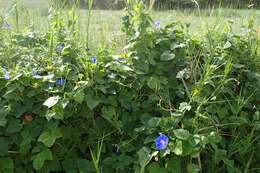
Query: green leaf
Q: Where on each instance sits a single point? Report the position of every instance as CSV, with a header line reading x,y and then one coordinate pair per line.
x,y
92,101
227,45
3,114
85,166
70,165
14,126
194,140
154,83
18,109
6,165
177,46
182,134
3,122
49,115
109,113
167,56
52,101
49,137
25,146
154,122
184,107
192,168
174,165
183,74
124,161
186,148
40,158
155,168
178,148
4,146
145,156
79,97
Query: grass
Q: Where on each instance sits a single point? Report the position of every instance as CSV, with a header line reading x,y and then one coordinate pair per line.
x,y
105,24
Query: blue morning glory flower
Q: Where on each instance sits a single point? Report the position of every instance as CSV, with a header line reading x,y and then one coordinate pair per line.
x,y
6,73
7,76
7,24
122,60
116,149
60,47
36,74
157,24
94,59
161,142
60,81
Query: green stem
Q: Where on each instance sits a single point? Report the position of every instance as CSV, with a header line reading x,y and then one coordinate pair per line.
x,y
16,18
90,3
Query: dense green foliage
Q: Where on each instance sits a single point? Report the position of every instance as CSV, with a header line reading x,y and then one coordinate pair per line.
x,y
170,4
201,92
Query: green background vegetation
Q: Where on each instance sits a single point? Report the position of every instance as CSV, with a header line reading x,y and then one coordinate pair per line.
x,y
107,23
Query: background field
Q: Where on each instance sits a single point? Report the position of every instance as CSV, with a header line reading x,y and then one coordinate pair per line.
x,y
105,24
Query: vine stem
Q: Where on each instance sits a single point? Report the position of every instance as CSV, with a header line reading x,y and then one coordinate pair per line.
x,y
249,162
199,161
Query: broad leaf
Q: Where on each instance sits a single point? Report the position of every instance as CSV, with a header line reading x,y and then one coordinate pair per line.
x,y
6,165
174,165
49,137
167,56
40,158
182,134
79,97
85,166
184,107
52,101
155,168
145,157
178,148
154,83
92,101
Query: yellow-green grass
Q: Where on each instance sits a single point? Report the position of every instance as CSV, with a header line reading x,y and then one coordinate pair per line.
x,y
105,24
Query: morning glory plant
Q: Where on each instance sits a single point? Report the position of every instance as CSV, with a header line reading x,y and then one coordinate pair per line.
x,y
161,142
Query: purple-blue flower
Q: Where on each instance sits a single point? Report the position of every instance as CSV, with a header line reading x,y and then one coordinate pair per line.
x,y
94,59
161,142
116,149
7,76
6,73
7,24
60,47
157,24
60,81
122,60
36,74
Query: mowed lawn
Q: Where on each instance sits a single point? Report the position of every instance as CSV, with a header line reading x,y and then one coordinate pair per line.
x,y
105,25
